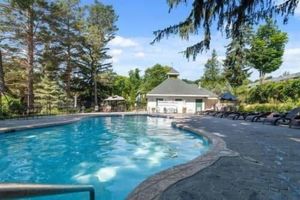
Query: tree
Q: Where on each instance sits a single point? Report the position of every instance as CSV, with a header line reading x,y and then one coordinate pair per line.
x,y
122,87
49,94
227,15
23,21
236,67
212,78
135,84
154,76
99,28
64,34
267,48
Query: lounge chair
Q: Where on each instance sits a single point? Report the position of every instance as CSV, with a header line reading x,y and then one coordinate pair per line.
x,y
289,118
244,115
224,114
285,119
273,118
256,117
234,115
295,122
250,116
262,116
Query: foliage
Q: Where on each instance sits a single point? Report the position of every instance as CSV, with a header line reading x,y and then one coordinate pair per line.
x,y
236,67
213,78
267,48
271,92
63,39
23,24
129,87
49,94
99,28
153,77
269,107
10,106
228,16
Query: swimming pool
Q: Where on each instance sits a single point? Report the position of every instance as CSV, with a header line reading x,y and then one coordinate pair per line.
x,y
114,154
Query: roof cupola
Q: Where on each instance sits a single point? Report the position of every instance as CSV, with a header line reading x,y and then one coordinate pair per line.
x,y
173,73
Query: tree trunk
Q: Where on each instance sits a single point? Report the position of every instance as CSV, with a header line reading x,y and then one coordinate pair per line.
x,y
95,91
30,56
68,67
2,81
261,77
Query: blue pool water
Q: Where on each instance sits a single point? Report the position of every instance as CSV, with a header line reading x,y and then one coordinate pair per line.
x,y
114,154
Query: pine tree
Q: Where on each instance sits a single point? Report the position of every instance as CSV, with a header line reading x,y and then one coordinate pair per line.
x,y
212,78
64,20
49,94
226,16
98,30
23,21
236,67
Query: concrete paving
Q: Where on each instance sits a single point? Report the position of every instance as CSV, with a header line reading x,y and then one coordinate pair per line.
x,y
268,165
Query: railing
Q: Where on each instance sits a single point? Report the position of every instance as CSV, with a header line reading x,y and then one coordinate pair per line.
x,y
11,190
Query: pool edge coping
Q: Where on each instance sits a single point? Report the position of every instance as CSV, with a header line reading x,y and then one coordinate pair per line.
x,y
153,187
76,118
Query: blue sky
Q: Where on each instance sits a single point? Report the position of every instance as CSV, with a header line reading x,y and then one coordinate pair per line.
x,y
139,18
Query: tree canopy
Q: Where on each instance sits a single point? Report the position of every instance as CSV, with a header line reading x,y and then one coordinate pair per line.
x,y
267,48
236,65
227,16
213,78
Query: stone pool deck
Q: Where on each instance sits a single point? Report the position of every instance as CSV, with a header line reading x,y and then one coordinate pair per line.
x,y
267,167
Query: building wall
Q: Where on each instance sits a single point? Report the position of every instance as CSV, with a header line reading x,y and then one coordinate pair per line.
x,y
211,104
187,105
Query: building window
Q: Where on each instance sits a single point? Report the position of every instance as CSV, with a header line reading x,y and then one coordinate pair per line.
x,y
178,99
158,99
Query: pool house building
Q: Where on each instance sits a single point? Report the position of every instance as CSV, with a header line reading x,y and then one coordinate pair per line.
x,y
176,96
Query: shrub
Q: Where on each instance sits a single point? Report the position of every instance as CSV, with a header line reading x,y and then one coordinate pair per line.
x,y
278,92
268,107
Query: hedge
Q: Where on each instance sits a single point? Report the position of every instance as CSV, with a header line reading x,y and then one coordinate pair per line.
x,y
269,107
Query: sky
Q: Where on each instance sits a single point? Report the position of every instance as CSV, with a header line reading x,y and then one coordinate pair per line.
x,y
138,19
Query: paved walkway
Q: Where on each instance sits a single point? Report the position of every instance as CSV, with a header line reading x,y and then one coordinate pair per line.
x,y
268,166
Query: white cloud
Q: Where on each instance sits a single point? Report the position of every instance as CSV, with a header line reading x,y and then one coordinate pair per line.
x,y
297,11
119,41
139,54
166,52
116,52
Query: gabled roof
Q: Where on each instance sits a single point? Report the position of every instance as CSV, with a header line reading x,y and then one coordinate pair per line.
x,y
177,87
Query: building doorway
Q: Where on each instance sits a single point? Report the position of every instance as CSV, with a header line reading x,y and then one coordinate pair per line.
x,y
199,105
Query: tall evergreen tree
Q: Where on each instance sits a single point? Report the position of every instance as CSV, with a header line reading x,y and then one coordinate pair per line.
x,y
236,67
65,20
49,94
212,78
23,21
267,48
99,28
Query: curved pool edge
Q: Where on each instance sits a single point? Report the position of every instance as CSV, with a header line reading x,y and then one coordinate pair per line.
x,y
39,125
153,187
58,121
